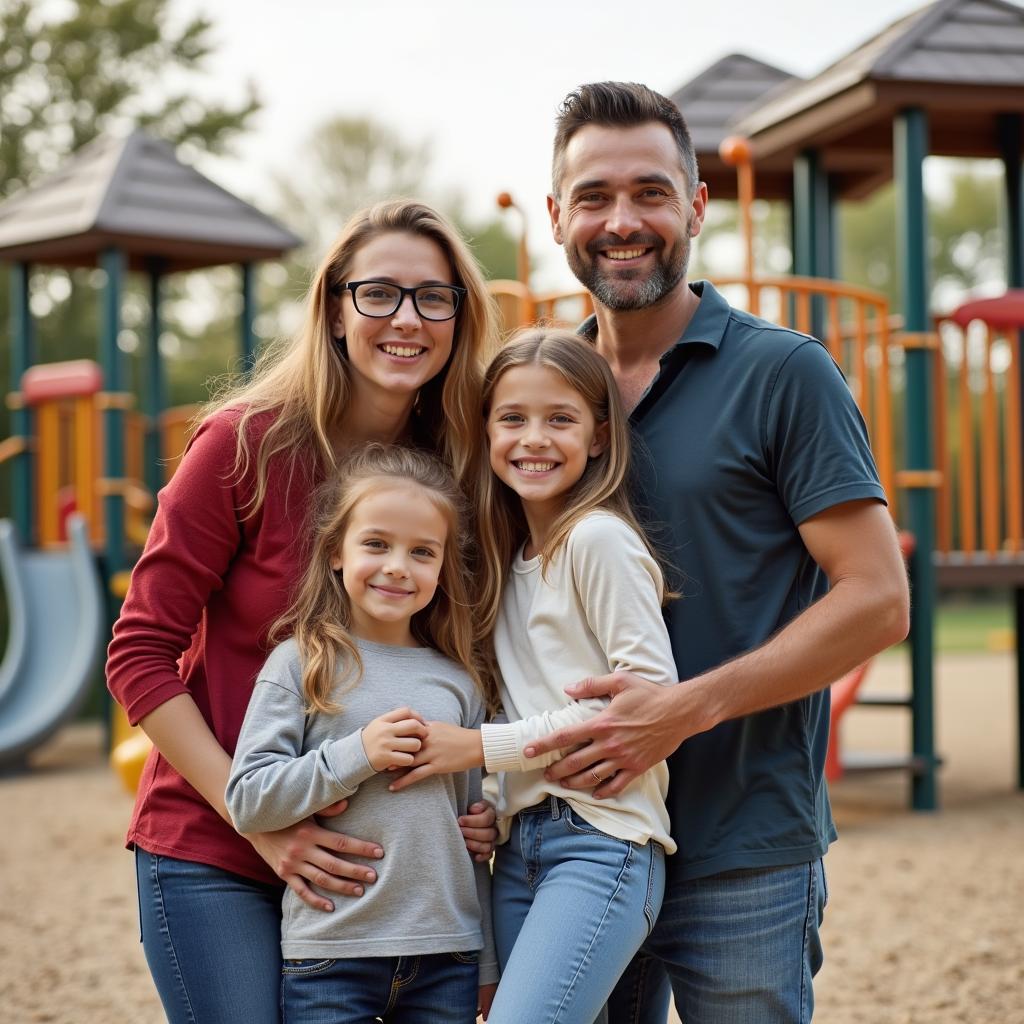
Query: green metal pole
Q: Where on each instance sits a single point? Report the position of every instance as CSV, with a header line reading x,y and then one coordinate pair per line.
x,y
22,357
248,315
1011,141
812,222
805,230
910,147
113,264
154,392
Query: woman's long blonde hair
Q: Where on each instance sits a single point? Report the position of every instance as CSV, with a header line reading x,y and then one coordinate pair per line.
x,y
320,616
605,480
306,382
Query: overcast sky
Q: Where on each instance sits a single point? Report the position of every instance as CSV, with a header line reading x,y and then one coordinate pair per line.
x,y
481,81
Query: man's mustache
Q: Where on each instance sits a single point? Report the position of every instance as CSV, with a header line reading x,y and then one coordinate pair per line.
x,y
636,240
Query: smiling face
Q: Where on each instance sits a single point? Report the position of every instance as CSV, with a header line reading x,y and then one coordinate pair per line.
x,y
390,560
541,433
395,354
625,215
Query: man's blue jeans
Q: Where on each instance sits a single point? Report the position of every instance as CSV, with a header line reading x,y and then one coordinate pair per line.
x,y
440,988
737,948
571,906
212,940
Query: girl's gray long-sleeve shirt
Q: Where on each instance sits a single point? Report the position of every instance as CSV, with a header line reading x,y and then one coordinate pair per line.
x,y
430,896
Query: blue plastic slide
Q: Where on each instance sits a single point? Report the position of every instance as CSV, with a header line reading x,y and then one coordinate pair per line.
x,y
57,625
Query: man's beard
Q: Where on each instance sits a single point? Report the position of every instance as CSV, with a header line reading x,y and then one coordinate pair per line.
x,y
623,294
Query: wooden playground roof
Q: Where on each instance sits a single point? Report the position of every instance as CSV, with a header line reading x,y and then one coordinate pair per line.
x,y
134,193
714,102
960,60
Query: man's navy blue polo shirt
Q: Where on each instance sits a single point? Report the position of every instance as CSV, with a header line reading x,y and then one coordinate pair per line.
x,y
748,430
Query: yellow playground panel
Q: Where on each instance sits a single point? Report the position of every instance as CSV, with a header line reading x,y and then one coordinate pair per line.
x,y
67,402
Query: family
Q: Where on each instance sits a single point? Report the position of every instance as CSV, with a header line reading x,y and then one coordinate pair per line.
x,y
416,601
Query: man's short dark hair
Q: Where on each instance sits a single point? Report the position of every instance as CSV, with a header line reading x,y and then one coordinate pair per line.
x,y
620,105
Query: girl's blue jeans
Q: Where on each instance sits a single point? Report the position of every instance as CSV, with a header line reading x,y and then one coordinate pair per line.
x,y
571,907
212,940
440,988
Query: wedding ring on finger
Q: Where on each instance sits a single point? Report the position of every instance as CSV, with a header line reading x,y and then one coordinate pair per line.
x,y
597,778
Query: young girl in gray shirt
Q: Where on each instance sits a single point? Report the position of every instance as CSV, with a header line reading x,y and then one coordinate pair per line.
x,y
381,642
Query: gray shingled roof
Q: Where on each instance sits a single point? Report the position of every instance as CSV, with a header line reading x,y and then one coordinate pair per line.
x,y
134,193
714,100
961,43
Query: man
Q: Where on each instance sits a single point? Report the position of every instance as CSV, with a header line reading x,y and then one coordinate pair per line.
x,y
756,470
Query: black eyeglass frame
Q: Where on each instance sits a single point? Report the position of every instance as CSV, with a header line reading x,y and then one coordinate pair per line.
x,y
351,286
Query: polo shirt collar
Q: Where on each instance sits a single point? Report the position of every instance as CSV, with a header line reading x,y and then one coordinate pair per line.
x,y
707,326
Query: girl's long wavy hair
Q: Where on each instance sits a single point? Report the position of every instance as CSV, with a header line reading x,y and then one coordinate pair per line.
x,y
320,616
605,481
306,381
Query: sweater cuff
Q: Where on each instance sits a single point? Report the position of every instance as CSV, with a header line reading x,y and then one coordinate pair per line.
x,y
348,761
489,973
501,748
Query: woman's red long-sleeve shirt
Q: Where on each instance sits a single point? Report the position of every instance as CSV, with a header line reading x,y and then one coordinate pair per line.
x,y
203,595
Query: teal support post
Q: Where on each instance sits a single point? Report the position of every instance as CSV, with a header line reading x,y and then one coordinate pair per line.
x,y
154,392
1011,141
832,219
248,322
22,357
812,225
112,263
910,147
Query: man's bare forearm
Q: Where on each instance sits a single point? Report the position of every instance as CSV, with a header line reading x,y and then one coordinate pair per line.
x,y
850,624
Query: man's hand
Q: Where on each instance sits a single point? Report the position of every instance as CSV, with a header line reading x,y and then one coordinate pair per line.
x,y
478,830
445,748
485,998
391,740
306,852
639,728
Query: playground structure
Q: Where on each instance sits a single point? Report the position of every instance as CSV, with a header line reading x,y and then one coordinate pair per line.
x,y
944,80
78,444
57,621
948,444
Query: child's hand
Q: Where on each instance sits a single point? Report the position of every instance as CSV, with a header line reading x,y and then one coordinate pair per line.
x,y
485,998
391,740
446,748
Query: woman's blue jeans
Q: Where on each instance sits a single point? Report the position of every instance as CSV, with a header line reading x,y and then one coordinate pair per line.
x,y
571,907
212,940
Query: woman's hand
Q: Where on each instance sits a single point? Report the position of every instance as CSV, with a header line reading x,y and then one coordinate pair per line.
x,y
305,854
477,827
391,740
445,748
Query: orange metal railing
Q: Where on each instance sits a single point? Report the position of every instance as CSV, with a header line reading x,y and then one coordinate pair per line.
x,y
855,325
978,439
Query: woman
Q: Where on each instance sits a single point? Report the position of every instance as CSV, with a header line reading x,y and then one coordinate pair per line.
x,y
397,323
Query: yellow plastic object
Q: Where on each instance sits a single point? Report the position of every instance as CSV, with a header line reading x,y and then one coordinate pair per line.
x,y
129,757
119,583
129,748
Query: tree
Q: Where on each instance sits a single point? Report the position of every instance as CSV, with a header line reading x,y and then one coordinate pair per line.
x,y
101,66
69,73
348,163
965,241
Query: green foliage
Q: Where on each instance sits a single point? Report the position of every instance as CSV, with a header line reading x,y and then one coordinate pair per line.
x,y
965,240
348,163
69,73
101,66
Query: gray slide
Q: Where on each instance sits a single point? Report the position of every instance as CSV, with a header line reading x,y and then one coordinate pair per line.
x,y
57,626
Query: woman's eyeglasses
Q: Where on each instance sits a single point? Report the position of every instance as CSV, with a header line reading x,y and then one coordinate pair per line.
x,y
382,298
